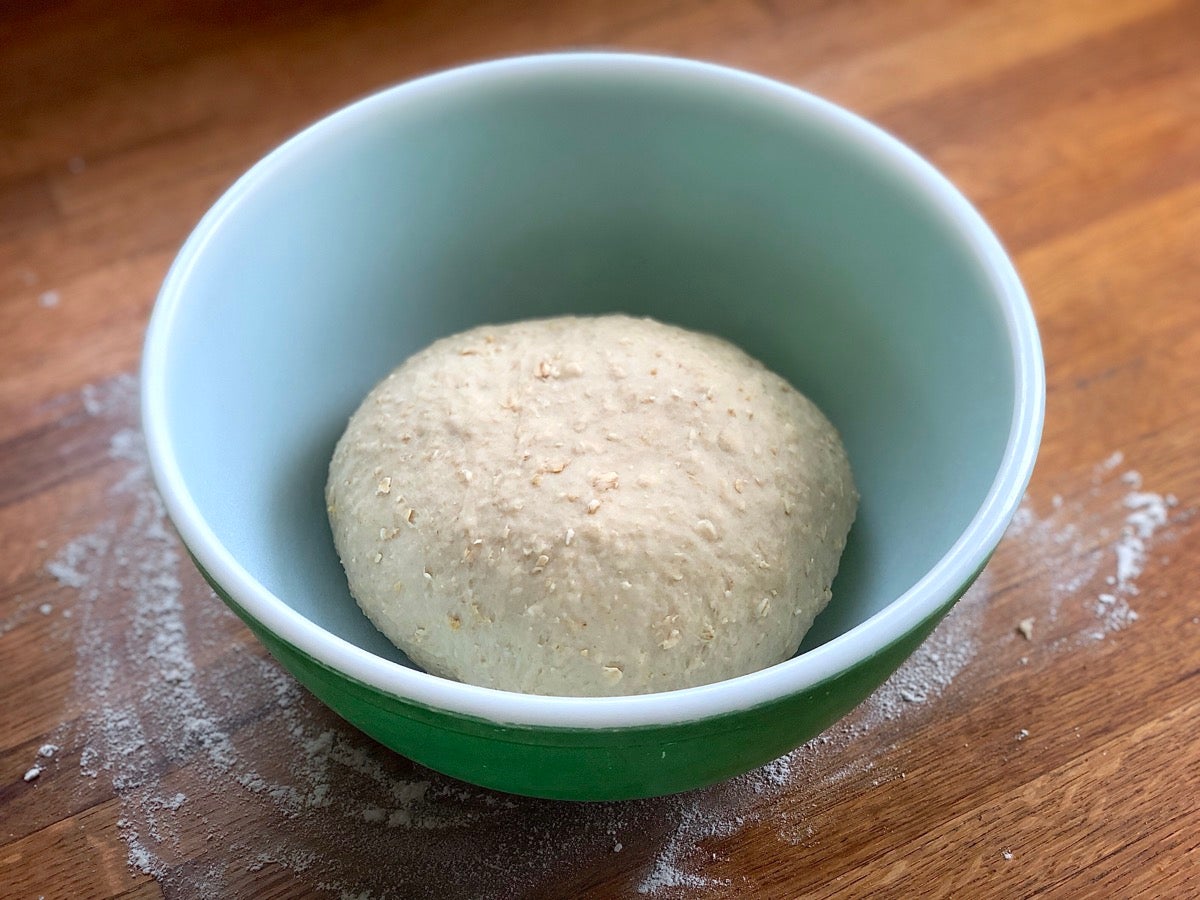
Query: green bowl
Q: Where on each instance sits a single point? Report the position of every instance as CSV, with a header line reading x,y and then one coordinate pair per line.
x,y
592,183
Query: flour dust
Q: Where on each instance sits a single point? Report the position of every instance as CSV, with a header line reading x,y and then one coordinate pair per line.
x,y
1095,551
216,754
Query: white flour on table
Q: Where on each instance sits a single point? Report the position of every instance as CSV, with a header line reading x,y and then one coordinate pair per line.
x,y
1096,567
207,743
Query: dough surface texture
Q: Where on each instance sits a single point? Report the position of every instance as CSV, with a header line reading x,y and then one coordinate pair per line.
x,y
589,506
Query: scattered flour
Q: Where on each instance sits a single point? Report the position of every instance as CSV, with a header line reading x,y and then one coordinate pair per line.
x,y
824,762
1111,530
1148,513
48,299
695,824
193,753
232,750
45,753
114,400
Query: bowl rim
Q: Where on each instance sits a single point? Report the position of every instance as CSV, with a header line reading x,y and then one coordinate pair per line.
x,y
919,603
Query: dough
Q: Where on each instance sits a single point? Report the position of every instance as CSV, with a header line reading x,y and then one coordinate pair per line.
x,y
589,506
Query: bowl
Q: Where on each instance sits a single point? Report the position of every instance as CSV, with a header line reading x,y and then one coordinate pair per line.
x,y
591,183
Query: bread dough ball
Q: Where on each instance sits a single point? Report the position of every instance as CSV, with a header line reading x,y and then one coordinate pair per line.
x,y
589,506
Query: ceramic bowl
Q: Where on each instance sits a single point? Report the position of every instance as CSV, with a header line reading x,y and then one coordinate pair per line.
x,y
590,183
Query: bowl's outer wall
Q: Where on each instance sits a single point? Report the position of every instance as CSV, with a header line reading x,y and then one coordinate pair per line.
x,y
592,764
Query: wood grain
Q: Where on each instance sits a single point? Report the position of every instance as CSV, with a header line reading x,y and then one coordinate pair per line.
x,y
1060,766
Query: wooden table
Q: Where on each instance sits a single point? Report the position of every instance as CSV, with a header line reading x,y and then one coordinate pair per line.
x,y
1044,742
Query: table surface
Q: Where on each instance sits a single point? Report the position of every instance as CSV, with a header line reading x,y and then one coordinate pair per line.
x,y
1041,743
